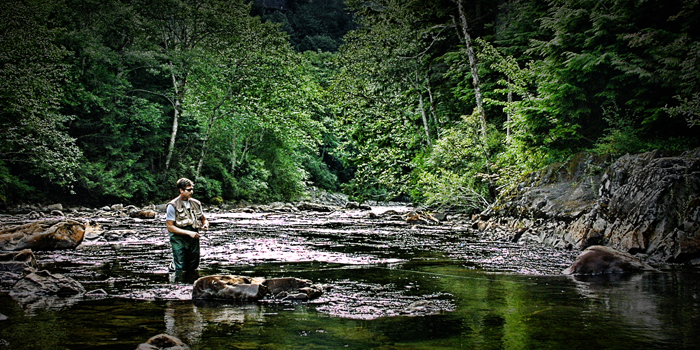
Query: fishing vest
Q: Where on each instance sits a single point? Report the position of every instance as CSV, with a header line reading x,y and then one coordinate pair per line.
x,y
184,217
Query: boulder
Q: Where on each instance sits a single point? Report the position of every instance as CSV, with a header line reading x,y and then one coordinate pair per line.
x,y
308,206
163,342
142,214
43,235
598,260
228,287
45,283
241,288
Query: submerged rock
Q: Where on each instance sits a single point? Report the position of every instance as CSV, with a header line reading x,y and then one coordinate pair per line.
x,y
228,287
163,342
45,283
43,235
43,290
598,260
242,288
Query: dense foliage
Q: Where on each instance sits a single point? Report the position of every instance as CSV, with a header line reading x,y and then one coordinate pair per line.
x,y
442,103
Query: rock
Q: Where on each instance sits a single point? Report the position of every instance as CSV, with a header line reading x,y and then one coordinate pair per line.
x,y
163,342
43,235
241,288
93,230
597,260
35,216
17,261
96,293
646,204
56,206
142,214
45,283
285,284
3,317
15,265
228,287
308,206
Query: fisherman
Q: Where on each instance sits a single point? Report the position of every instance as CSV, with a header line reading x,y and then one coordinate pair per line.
x,y
185,219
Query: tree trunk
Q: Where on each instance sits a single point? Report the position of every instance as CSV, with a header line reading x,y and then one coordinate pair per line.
x,y
472,65
204,145
179,92
425,118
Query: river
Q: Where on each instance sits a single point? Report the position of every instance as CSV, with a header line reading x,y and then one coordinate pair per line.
x,y
390,285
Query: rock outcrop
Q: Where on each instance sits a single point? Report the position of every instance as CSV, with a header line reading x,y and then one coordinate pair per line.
x,y
43,235
646,204
242,288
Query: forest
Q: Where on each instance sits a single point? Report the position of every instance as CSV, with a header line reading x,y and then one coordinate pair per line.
x,y
443,103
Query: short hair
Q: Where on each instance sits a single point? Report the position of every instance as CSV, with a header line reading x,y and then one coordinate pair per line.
x,y
183,183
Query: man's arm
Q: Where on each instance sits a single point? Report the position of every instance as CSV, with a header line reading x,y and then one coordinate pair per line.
x,y
179,231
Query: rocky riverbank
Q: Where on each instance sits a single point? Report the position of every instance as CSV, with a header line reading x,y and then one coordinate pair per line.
x,y
645,204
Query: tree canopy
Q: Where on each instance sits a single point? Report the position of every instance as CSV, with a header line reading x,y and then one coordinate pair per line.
x,y
443,103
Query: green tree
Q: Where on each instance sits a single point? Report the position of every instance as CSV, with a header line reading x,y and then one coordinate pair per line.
x,y
34,143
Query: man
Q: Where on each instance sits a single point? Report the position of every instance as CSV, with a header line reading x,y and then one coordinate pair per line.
x,y
184,218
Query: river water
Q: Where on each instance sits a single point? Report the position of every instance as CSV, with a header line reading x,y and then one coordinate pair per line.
x,y
390,285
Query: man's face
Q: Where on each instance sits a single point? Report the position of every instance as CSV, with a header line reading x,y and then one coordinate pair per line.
x,y
186,193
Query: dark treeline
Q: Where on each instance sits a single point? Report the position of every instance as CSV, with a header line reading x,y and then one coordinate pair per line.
x,y
443,103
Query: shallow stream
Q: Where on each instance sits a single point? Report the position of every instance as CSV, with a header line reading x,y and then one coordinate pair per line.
x,y
390,285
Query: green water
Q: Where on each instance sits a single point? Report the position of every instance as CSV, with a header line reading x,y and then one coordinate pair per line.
x,y
489,311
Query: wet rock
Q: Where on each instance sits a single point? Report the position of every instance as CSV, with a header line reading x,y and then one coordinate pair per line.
x,y
17,261
242,288
43,290
142,214
420,218
93,230
96,293
35,215
292,288
163,342
15,265
598,260
56,206
308,206
43,235
45,283
228,287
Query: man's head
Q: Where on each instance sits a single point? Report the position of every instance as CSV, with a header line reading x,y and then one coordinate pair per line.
x,y
186,188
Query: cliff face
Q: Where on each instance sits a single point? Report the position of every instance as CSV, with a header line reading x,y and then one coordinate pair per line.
x,y
645,204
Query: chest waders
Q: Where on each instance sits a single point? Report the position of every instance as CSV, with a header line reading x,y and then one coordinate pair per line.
x,y
185,251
